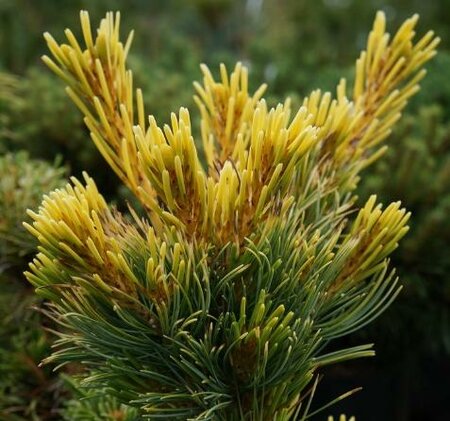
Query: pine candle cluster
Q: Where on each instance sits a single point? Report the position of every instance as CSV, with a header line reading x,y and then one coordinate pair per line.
x,y
220,302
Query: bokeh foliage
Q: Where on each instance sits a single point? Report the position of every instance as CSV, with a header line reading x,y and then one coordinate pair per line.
x,y
27,391
23,182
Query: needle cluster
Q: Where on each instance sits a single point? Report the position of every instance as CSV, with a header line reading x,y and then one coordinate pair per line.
x,y
221,301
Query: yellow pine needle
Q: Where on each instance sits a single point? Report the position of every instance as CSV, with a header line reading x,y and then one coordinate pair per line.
x,y
253,153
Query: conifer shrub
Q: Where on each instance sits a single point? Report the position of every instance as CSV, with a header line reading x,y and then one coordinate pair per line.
x,y
23,182
221,301
9,100
27,391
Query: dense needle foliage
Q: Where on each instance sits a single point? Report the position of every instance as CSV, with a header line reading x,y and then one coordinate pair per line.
x,y
222,300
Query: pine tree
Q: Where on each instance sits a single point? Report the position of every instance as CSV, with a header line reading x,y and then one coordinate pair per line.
x,y
220,302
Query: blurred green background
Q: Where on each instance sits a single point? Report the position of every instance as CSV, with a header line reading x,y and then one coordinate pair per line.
x,y
294,46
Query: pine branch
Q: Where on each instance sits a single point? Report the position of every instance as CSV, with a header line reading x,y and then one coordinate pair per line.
x,y
221,305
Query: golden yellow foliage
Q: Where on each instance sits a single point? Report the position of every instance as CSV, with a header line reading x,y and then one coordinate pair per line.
x,y
253,153
246,264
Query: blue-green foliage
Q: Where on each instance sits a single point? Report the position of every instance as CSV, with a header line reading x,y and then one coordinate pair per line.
x,y
285,42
